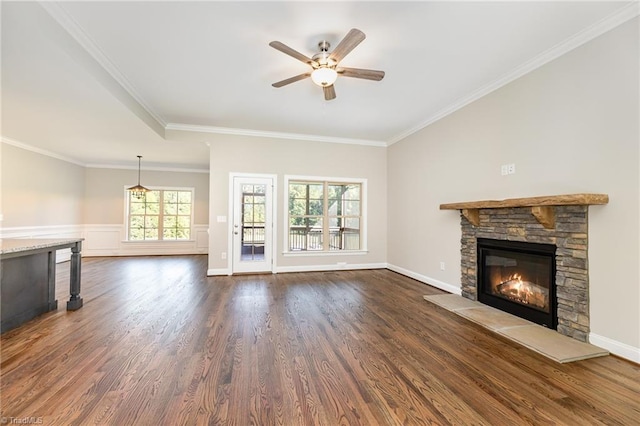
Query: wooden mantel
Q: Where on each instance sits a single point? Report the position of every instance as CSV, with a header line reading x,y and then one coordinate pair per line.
x,y
542,208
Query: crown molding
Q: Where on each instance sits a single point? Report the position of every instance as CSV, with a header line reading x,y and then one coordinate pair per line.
x,y
606,24
136,102
269,134
40,151
51,154
146,168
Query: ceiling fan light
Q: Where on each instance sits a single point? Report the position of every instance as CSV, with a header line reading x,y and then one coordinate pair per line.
x,y
324,76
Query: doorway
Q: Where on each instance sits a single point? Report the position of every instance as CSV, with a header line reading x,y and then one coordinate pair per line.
x,y
252,223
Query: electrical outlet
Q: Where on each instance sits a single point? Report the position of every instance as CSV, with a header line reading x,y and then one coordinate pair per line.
x,y
442,266
507,169
223,255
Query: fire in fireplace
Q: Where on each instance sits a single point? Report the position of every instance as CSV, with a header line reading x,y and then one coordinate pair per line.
x,y
519,278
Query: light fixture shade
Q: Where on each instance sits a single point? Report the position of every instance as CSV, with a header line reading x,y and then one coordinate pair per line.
x,y
324,76
138,190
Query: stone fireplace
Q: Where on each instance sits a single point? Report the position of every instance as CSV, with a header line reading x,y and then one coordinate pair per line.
x,y
555,221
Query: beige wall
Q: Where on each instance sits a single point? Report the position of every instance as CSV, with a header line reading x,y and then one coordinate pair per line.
x,y
104,197
571,126
44,197
290,157
38,190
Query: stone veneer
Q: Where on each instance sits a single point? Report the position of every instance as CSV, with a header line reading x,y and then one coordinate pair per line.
x,y
570,238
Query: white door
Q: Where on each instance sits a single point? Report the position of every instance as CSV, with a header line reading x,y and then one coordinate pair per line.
x,y
252,226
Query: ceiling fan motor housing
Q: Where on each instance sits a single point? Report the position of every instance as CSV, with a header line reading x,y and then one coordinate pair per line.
x,y
322,59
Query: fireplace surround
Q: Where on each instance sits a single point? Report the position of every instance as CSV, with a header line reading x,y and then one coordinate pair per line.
x,y
560,221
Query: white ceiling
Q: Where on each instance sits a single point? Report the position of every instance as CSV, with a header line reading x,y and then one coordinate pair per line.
x,y
101,82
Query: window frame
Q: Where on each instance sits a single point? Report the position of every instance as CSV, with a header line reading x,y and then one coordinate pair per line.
x,y
325,181
127,209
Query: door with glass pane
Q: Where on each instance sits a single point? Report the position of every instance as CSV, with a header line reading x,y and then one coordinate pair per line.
x,y
252,224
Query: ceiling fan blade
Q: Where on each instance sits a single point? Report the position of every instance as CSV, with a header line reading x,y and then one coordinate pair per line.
x,y
329,92
291,80
361,73
291,52
348,43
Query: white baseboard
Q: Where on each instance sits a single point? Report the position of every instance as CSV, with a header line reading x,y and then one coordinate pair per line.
x,y
617,348
427,280
331,267
218,272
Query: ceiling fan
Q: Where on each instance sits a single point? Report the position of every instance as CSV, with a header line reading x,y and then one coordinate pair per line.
x,y
324,64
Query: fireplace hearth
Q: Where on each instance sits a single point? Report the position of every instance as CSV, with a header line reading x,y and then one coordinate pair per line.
x,y
519,278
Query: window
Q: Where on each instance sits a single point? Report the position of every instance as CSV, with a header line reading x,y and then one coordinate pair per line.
x,y
162,214
324,216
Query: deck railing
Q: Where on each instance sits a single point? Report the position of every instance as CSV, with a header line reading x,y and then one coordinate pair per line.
x,y
302,238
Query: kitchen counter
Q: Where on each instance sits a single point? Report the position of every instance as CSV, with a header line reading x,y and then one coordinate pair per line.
x,y
28,278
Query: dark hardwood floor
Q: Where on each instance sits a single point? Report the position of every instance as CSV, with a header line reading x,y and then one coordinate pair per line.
x,y
159,343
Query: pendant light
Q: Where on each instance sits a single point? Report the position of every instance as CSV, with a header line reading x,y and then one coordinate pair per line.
x,y
138,190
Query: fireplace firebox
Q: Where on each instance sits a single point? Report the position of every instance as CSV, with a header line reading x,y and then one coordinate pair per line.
x,y
519,278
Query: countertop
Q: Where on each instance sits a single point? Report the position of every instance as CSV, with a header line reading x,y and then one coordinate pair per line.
x,y
17,245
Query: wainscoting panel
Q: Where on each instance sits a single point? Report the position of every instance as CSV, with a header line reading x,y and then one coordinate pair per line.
x,y
109,240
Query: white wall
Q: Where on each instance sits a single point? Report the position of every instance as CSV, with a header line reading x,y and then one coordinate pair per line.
x,y
571,126
291,157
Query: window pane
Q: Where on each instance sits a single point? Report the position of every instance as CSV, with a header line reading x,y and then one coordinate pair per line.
x,y
351,208
297,207
153,208
184,222
344,233
170,209
247,214
151,222
247,199
136,222
137,208
184,208
169,222
150,234
316,191
305,234
184,197
315,207
169,234
259,213
183,234
152,196
297,190
171,197
352,223
352,192
136,234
